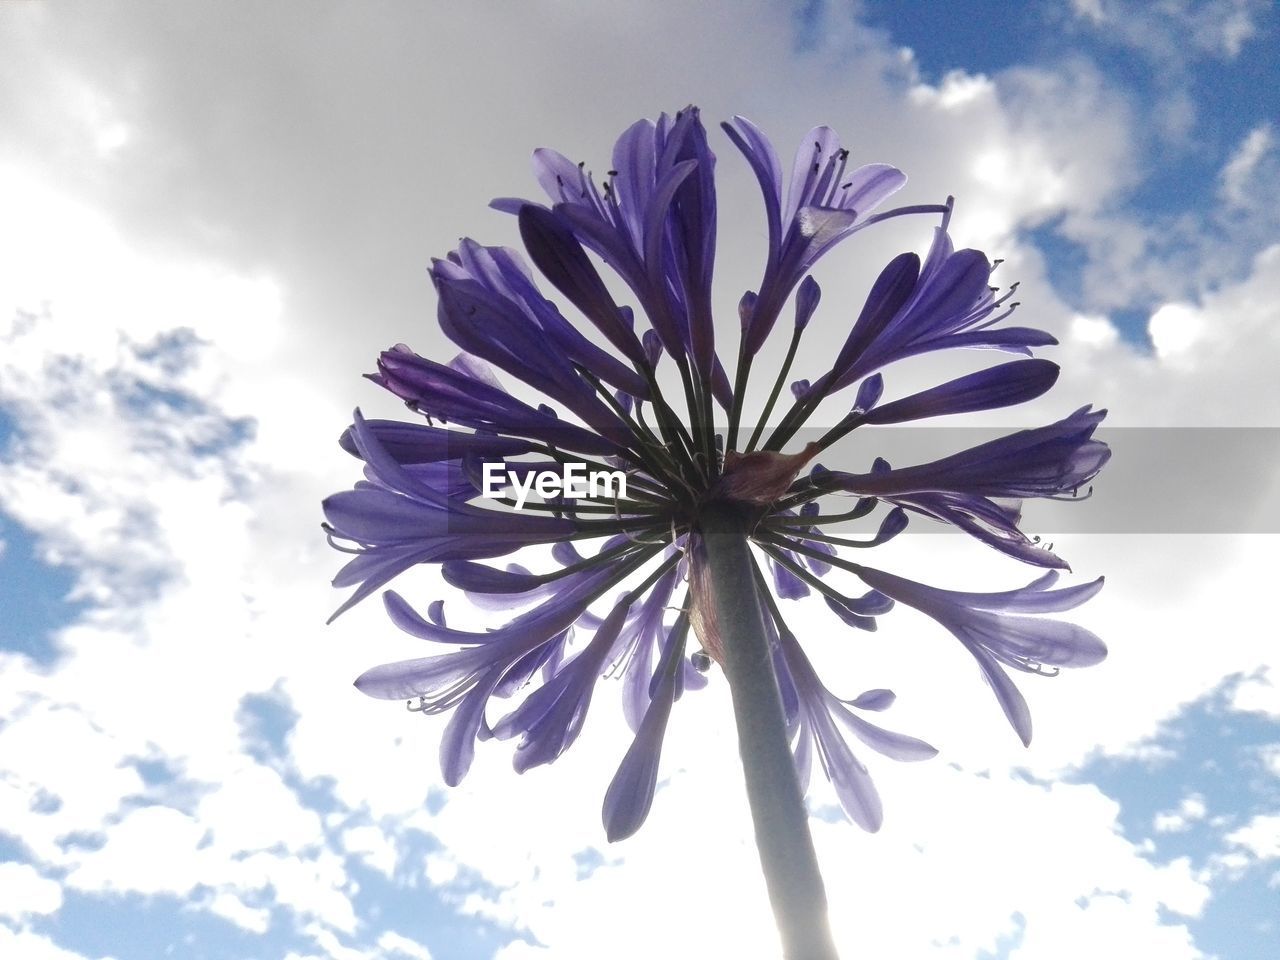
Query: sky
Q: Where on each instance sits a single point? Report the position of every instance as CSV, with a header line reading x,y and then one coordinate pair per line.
x,y
215,216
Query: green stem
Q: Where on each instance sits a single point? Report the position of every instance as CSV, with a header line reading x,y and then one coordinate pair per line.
x,y
777,388
773,792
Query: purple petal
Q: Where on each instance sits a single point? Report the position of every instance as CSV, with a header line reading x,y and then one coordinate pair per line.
x,y
1010,698
418,443
896,746
786,584
560,257
458,744
850,616
630,793
550,719
1000,386
879,699
807,298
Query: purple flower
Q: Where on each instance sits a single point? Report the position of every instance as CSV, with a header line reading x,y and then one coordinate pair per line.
x,y
993,627
613,576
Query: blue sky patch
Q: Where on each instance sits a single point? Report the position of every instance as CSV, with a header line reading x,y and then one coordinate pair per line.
x,y
1214,755
33,596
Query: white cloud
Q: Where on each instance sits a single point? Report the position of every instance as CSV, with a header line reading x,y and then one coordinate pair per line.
x,y
1175,330
1270,756
956,91
373,846
1191,810
1218,28
334,242
1260,837
1089,9
1258,693
1240,175
395,945
32,946
252,809
1094,331
24,892
231,907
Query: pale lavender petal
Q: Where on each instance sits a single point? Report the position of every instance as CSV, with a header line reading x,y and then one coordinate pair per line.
x,y
1010,697
630,793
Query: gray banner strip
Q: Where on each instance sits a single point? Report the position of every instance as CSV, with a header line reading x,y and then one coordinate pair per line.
x,y
1159,479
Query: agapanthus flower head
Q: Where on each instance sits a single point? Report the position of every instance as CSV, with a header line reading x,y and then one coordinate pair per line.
x,y
558,375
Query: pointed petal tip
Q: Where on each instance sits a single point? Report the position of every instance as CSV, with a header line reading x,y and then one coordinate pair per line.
x,y
615,832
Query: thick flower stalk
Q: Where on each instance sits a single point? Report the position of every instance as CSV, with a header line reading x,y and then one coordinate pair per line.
x,y
680,562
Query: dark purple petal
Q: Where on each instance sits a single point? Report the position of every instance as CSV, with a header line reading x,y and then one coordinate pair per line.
x,y
786,584
419,443
891,291
984,519
538,625
759,152
502,271
1043,462
869,392
820,567
807,298
990,389
693,234
437,390
1010,339
558,254
721,389
847,613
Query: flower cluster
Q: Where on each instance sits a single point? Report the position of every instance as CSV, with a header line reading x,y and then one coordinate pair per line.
x,y
638,557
